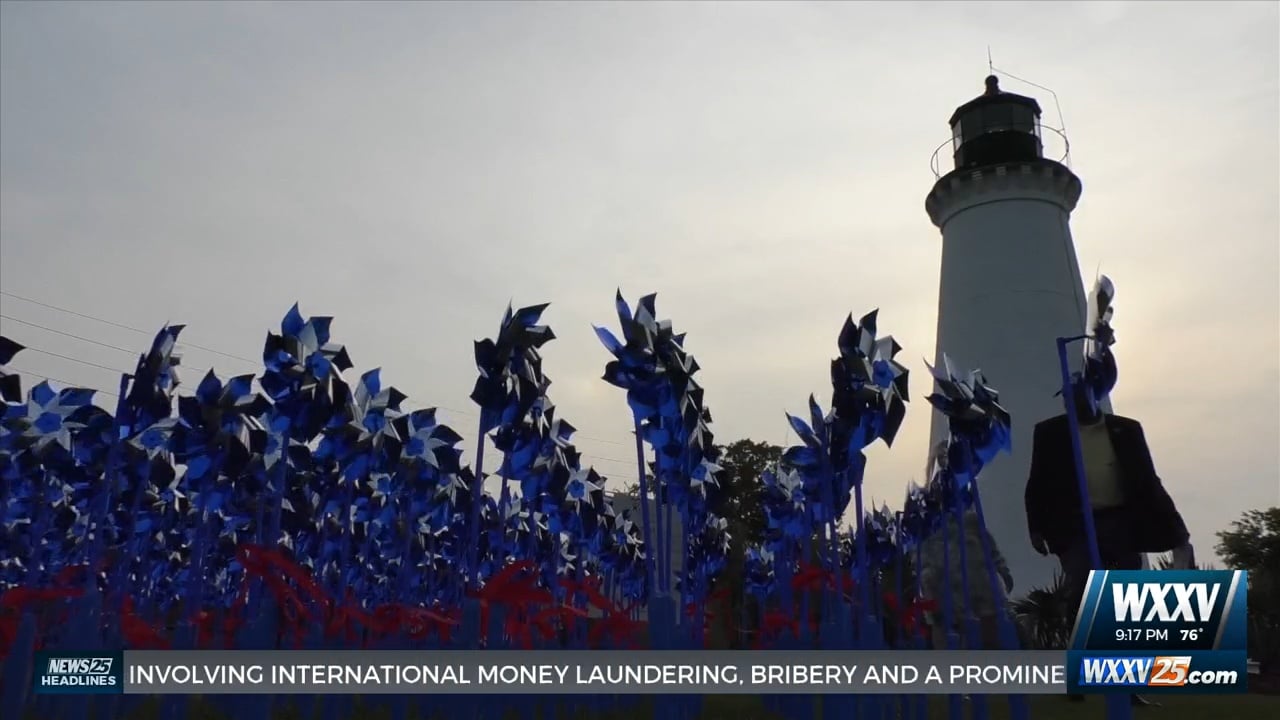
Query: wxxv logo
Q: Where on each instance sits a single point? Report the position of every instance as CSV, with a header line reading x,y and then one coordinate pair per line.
x,y
1161,629
1158,671
67,672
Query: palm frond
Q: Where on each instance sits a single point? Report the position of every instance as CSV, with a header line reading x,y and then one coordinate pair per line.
x,y
1047,614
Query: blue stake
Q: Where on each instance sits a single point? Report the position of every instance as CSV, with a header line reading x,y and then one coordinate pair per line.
x,y
1118,705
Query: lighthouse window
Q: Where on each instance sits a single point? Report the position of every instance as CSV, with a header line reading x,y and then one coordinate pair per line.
x,y
971,125
998,117
1024,119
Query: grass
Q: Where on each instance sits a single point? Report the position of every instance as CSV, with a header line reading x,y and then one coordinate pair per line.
x,y
745,707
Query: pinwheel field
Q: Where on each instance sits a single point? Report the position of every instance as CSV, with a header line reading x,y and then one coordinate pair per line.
x,y
302,508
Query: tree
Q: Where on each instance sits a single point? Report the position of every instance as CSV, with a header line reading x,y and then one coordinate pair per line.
x,y
739,499
1252,543
741,496
631,490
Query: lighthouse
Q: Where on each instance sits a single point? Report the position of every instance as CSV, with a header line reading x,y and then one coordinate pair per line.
x,y
1010,286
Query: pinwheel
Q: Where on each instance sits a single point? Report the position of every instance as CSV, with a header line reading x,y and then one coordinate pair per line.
x,y
302,365
40,448
302,378
759,572
881,529
509,386
510,379
974,414
153,385
44,426
429,443
868,403
1100,372
978,431
137,455
216,438
10,382
637,368
815,462
869,387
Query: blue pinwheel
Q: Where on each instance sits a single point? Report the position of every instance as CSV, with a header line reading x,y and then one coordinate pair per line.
x,y
979,429
636,367
641,366
218,435
302,378
869,387
881,529
509,390
10,382
974,414
1100,372
41,447
760,578
153,385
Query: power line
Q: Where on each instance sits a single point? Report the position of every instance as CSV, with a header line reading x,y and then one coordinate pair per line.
x,y
42,351
206,349
67,334
68,357
122,326
256,364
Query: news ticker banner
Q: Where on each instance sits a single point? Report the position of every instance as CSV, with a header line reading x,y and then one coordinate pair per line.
x,y
566,672
1161,630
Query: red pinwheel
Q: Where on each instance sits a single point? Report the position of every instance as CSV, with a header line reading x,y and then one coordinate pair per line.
x,y
810,578
138,633
774,624
274,569
552,619
515,588
414,622
911,616
618,627
14,602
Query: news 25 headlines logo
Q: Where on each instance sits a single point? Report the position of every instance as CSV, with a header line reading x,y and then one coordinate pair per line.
x,y
1171,630
78,673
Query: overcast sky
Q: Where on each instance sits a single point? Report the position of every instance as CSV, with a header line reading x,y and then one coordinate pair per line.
x,y
409,168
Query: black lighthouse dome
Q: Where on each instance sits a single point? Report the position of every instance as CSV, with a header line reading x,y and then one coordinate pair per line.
x,y
996,127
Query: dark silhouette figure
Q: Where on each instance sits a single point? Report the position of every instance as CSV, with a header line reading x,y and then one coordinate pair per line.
x,y
1132,512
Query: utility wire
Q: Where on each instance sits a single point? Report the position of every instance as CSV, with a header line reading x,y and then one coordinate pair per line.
x,y
67,334
68,357
201,373
123,326
206,349
42,351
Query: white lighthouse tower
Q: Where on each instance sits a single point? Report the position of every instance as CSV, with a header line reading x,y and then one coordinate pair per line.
x,y
1010,287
